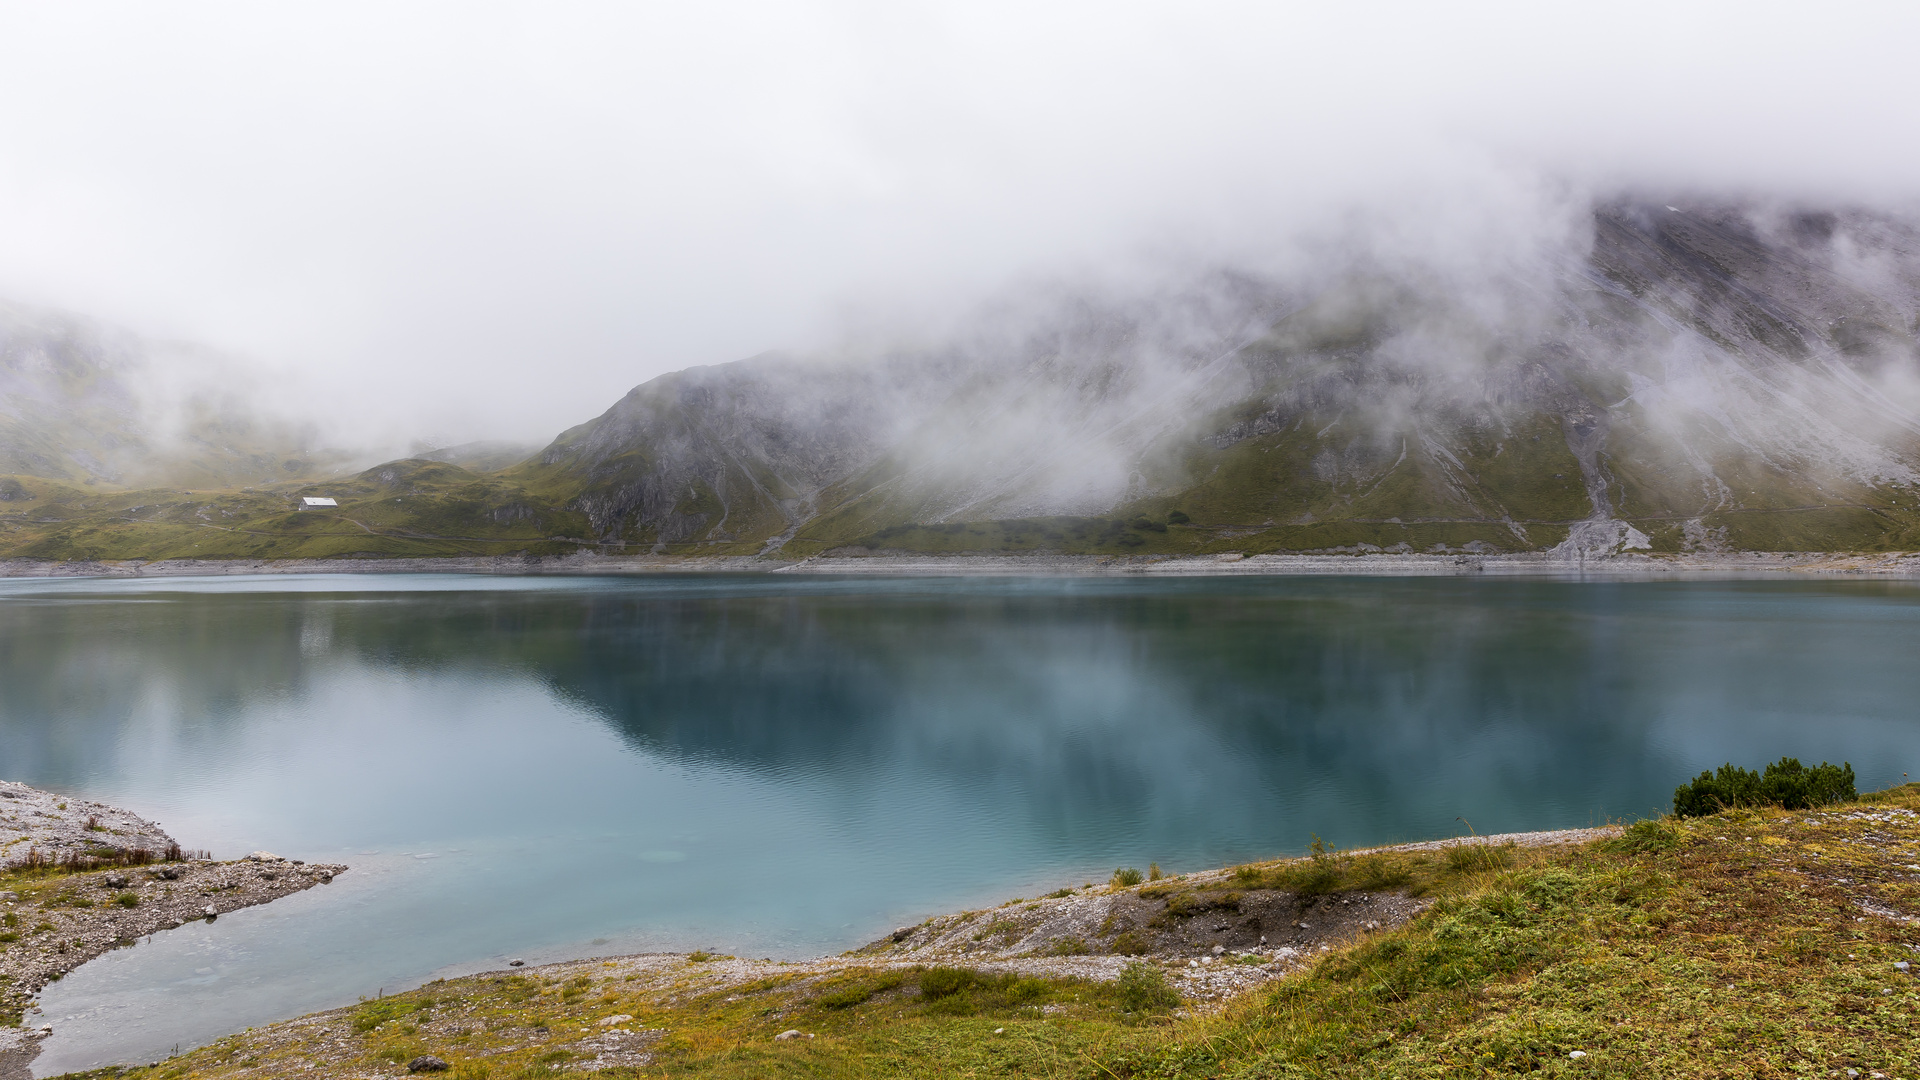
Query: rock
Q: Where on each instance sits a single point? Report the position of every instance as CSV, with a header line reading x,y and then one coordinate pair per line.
x,y
268,875
114,881
1898,965
902,933
1370,924
210,912
1219,950
166,873
326,878
1576,1054
515,962
264,856
790,1033
9,896
617,1019
427,1063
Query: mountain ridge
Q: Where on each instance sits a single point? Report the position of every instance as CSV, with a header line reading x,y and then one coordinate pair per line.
x,y
1717,378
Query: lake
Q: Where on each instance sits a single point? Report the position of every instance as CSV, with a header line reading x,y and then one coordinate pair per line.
x,y
551,768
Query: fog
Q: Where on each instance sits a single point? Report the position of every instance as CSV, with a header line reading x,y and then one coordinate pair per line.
x,y
458,221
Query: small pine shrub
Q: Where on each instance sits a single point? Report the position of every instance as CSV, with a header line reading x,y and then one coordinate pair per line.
x,y
1143,988
1126,876
1177,517
1785,783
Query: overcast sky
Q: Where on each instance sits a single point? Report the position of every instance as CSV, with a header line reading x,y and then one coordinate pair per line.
x,y
472,219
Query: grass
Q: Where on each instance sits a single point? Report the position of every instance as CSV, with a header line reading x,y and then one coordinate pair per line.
x,y
1728,945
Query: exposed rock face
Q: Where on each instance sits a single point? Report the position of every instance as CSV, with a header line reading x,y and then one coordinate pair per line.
x,y
1704,378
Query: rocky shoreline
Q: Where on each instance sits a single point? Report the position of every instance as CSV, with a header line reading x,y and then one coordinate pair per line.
x,y
1213,935
860,562
81,878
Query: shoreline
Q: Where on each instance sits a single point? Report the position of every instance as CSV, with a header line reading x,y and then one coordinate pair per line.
x,y
131,881
885,564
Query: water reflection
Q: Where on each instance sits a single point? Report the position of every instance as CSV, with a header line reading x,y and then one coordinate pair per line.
x,y
792,766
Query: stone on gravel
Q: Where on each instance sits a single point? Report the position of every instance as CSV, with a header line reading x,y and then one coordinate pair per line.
x,y
427,1063
264,856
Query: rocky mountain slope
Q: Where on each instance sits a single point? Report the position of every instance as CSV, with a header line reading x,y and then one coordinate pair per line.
x,y
1715,377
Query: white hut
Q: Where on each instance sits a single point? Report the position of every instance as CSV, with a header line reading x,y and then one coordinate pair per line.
x,y
316,502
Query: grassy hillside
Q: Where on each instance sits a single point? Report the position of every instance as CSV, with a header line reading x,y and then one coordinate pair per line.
x,y
415,508
1750,943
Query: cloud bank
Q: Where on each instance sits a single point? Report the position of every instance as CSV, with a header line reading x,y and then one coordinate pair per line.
x,y
477,219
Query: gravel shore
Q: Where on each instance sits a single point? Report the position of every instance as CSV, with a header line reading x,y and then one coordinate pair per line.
x,y
1536,564
53,920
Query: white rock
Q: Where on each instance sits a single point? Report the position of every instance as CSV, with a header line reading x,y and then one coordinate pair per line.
x,y
264,856
790,1033
1576,1054
612,1020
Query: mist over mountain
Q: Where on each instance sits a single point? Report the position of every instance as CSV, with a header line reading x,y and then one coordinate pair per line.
x,y
1733,375
1624,375
91,404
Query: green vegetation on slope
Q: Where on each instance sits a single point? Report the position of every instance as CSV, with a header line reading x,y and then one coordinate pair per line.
x,y
415,508
1750,943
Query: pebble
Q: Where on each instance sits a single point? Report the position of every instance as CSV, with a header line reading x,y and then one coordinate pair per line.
x,y
790,1033
1219,950
1901,965
426,1063
1576,1054
515,962
209,912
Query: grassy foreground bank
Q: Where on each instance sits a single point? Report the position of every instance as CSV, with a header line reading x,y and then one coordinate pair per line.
x,y
1747,943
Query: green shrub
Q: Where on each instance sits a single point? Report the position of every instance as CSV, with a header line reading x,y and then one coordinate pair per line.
x,y
939,982
1177,517
860,990
1647,837
1322,872
1143,988
127,899
1468,858
1126,876
1786,784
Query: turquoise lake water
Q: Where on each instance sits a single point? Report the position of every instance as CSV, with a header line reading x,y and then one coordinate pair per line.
x,y
783,766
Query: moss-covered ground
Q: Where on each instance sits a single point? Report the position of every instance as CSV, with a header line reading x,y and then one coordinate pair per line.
x,y
1753,943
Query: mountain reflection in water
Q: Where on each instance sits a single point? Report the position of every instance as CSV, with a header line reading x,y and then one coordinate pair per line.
x,y
793,765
